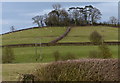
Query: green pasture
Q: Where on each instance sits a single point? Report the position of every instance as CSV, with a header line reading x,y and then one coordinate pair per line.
x,y
44,35
11,72
28,54
25,57
82,33
37,35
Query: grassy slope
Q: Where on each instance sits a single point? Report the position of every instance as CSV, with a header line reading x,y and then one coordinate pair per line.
x,y
81,34
33,35
27,54
77,34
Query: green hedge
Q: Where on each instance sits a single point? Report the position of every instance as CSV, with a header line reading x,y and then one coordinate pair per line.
x,y
79,70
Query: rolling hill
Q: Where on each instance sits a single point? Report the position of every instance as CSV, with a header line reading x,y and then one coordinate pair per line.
x,y
47,34
81,34
33,35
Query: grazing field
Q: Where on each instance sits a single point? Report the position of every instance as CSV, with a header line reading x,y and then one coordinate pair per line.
x,y
10,71
28,54
82,33
33,35
25,57
44,35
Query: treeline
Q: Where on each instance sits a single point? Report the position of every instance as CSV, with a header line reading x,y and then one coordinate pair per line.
x,y
87,15
74,16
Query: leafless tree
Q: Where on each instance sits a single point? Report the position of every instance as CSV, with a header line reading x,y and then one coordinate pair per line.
x,y
38,20
12,28
113,20
56,6
95,15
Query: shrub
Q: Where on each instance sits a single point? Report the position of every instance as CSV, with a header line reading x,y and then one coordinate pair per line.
x,y
69,56
7,55
105,52
56,55
95,37
79,70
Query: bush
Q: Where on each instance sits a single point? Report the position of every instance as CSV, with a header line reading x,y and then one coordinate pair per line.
x,y
69,56
7,55
105,52
79,70
95,37
56,55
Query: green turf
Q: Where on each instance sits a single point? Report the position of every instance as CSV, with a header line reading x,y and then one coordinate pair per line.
x,y
28,54
44,35
81,34
38,35
10,71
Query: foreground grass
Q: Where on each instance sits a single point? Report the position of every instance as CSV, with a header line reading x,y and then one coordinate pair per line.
x,y
10,71
81,34
28,54
33,35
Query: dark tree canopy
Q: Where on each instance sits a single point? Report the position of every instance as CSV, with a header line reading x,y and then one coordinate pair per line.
x,y
87,15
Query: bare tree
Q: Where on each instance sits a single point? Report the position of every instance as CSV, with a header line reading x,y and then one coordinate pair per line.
x,y
56,6
95,15
113,20
38,20
12,28
74,13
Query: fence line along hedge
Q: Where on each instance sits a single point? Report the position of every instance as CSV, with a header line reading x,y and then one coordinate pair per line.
x,y
79,70
62,36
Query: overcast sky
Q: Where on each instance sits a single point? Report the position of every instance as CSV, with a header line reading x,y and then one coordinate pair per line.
x,y
19,14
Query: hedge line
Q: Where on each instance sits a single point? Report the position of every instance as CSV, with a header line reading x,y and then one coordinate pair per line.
x,y
79,70
59,44
62,36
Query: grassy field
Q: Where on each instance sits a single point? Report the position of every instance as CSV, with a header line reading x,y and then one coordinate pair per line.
x,y
27,54
33,35
25,57
44,35
81,34
10,71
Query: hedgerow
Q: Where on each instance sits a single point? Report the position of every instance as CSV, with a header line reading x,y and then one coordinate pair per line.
x,y
79,70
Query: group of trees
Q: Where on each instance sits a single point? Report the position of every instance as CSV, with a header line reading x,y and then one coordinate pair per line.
x,y
78,16
113,21
73,16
